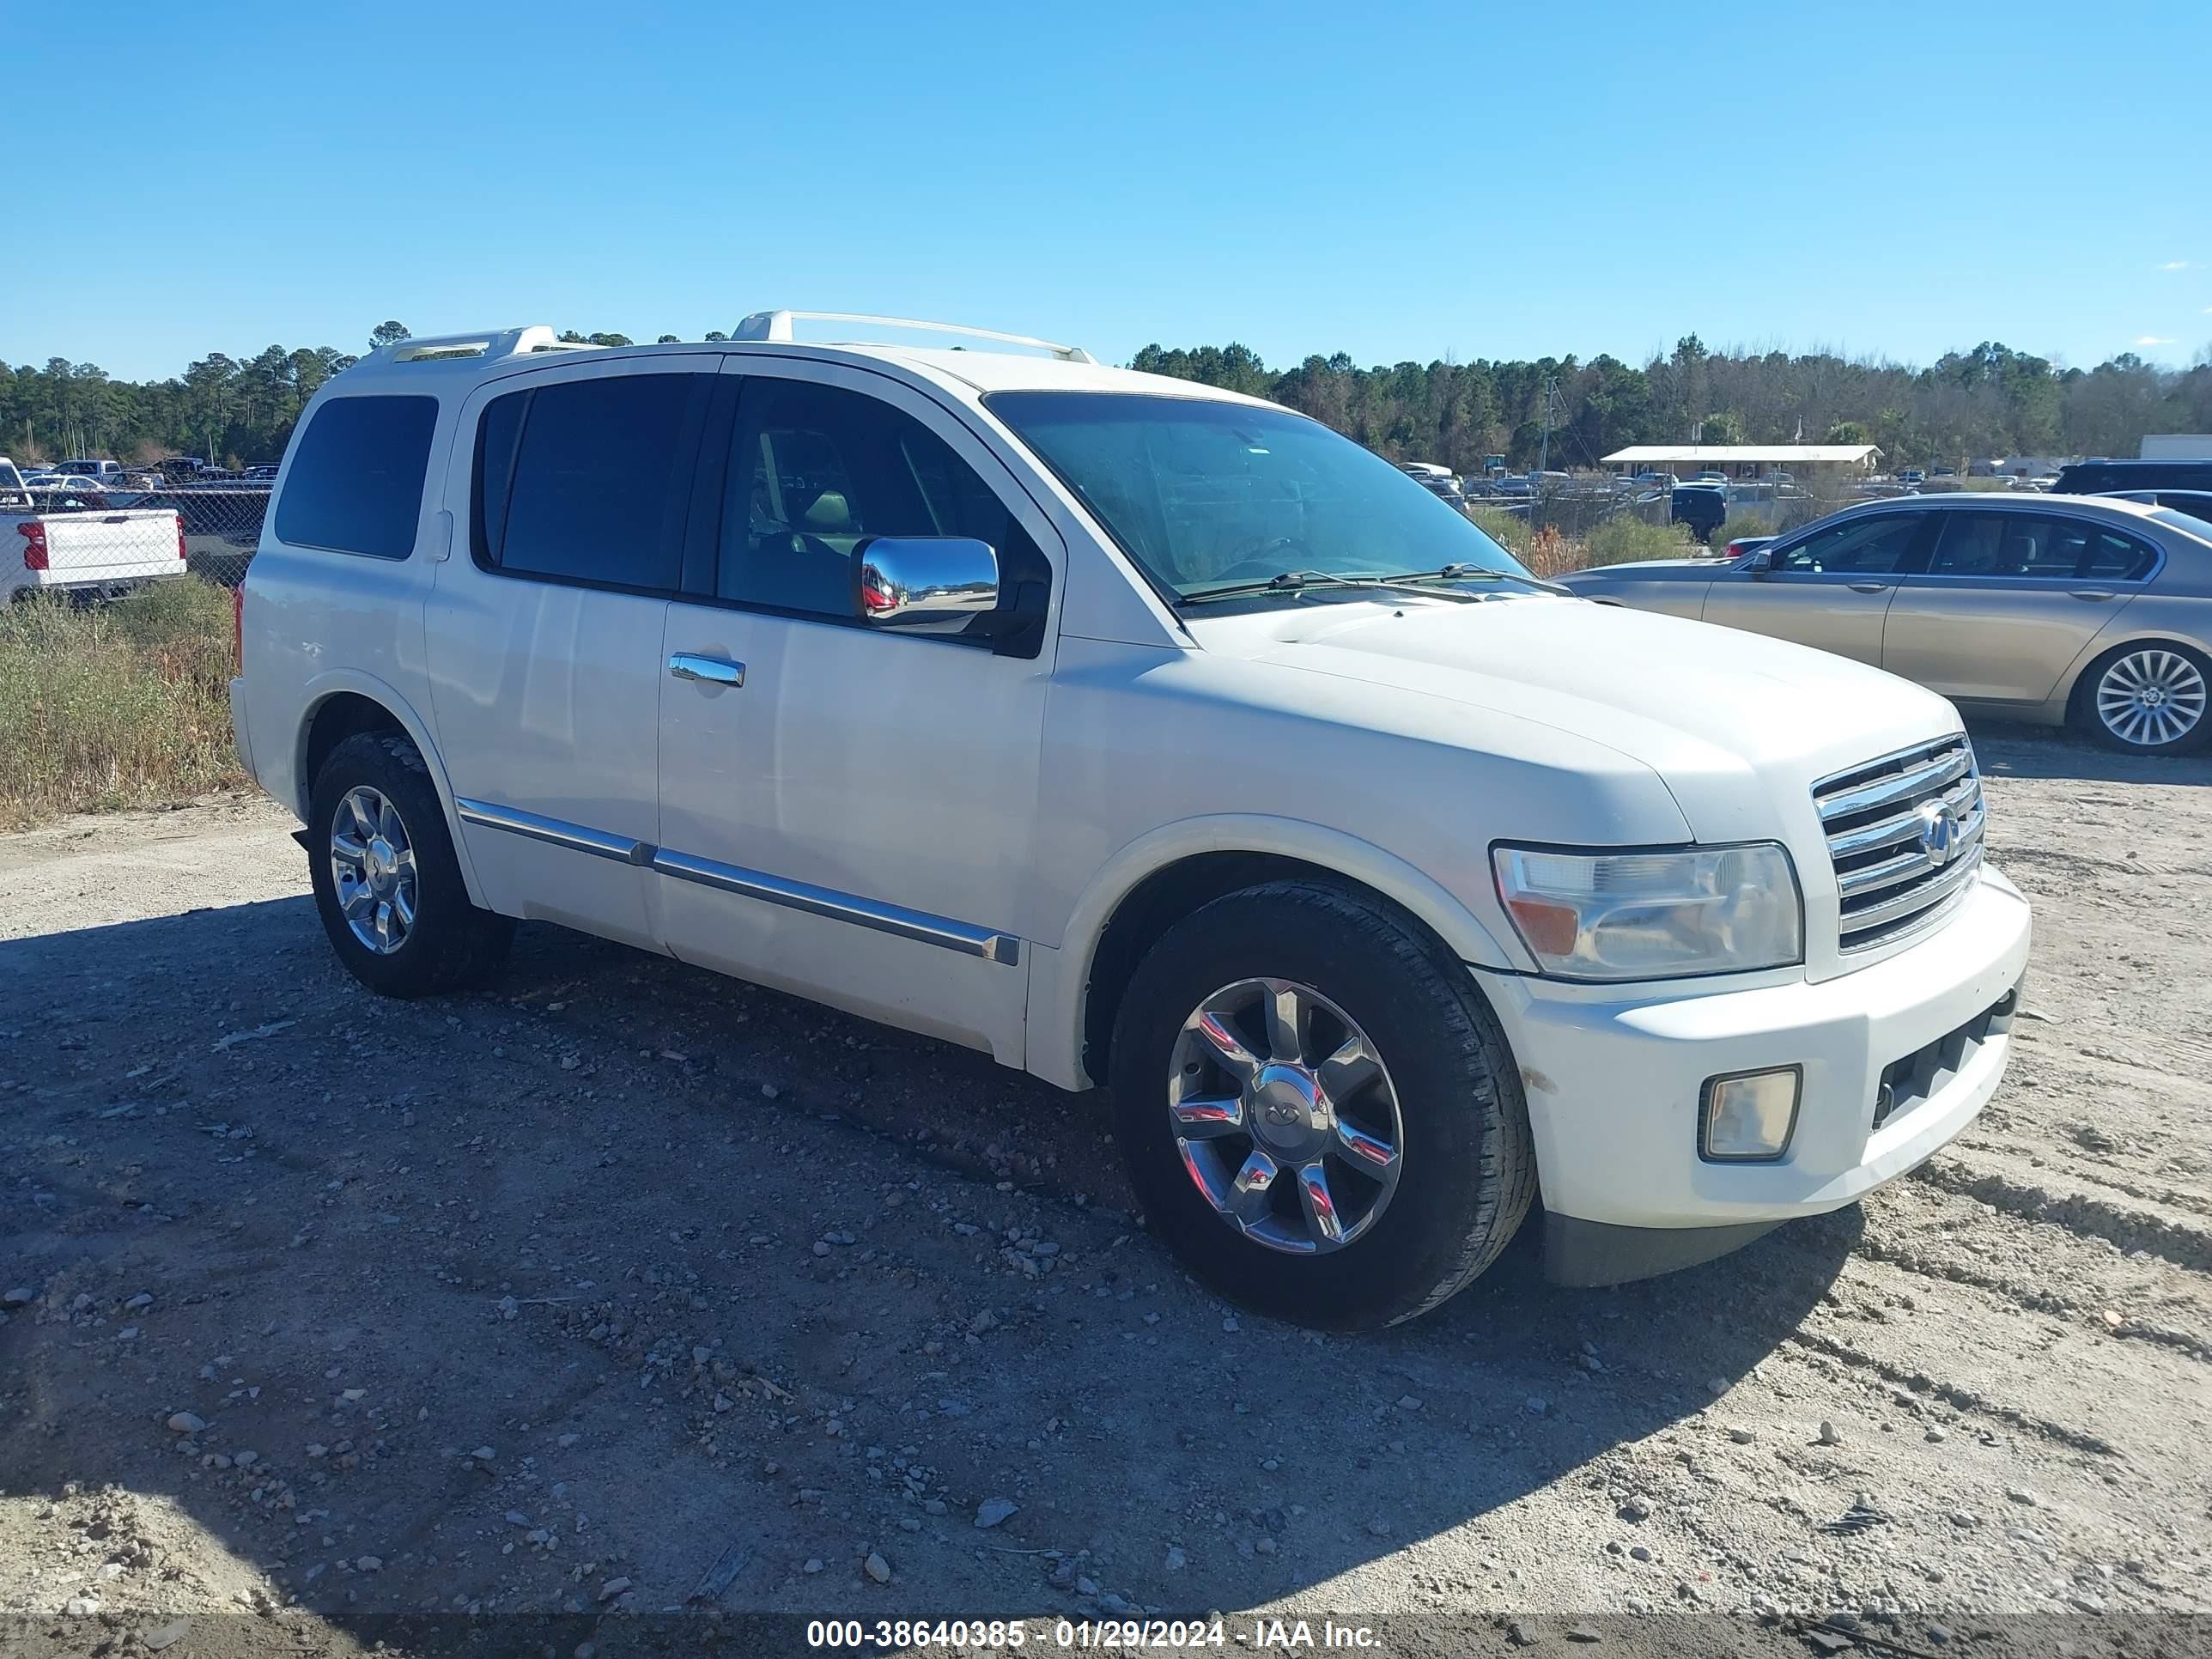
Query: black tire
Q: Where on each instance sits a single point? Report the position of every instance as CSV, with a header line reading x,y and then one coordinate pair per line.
x,y
452,945
1468,1172
2088,718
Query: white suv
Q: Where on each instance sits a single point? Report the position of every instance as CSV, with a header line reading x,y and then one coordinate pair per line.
x,y
1139,734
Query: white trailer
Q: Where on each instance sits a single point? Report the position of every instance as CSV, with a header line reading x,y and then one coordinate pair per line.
x,y
2177,447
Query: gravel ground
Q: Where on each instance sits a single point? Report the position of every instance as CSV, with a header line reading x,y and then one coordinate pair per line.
x,y
572,1299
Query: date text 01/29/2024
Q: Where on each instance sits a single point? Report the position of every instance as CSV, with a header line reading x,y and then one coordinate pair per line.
x,y
900,1635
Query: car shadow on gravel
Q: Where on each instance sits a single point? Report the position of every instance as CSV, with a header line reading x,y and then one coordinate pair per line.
x,y
734,1273
2008,750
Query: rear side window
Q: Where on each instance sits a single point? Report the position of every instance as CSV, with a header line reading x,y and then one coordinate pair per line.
x,y
588,481
2022,544
356,485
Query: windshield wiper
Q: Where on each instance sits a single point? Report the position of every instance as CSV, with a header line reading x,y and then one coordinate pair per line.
x,y
1290,581
1478,573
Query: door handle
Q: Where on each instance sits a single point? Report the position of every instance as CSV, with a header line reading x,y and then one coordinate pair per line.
x,y
2092,593
1870,587
708,671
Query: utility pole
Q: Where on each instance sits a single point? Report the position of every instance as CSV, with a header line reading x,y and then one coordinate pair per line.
x,y
1544,448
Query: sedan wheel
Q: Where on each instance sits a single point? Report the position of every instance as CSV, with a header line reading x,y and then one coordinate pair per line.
x,y
2150,698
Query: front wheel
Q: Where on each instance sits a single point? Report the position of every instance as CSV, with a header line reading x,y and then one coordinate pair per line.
x,y
1317,1108
2146,699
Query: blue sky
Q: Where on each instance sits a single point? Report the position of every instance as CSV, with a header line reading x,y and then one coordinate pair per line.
x,y
1395,182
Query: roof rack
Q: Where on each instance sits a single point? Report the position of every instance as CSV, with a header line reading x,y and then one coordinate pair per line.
x,y
486,343
775,325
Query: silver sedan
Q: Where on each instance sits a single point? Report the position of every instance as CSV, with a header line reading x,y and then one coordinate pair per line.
x,y
2062,610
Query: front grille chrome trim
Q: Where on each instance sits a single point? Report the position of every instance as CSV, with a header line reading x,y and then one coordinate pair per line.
x,y
1894,875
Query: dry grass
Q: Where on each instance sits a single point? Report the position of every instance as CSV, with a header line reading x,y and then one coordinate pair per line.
x,y
112,706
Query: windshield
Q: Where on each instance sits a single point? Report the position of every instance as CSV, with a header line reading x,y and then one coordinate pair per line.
x,y
1206,493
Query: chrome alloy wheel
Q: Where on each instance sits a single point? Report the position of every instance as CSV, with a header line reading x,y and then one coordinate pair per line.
x,y
2151,696
373,868
1283,1116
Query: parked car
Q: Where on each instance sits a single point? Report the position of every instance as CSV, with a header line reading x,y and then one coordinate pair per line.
x,y
265,473
2084,610
180,469
2197,504
1743,546
2102,477
1911,477
880,687
1655,481
107,474
1710,477
49,540
1702,506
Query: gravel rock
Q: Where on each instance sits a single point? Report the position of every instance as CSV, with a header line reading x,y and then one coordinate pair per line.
x,y
613,1588
878,1568
1828,1435
993,1510
186,1423
1742,1437
1175,1560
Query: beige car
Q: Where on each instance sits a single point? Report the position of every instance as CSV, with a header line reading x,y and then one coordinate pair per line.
x,y
2062,609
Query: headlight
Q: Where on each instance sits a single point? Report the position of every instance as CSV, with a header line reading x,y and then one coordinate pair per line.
x,y
1654,915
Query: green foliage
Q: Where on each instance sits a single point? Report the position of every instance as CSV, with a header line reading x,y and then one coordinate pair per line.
x,y
387,334
1510,530
113,706
1744,524
1624,538
1990,401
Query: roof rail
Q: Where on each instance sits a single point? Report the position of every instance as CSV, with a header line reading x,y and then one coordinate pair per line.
x,y
485,343
776,325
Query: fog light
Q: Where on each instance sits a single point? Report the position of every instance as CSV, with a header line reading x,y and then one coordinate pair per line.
x,y
1748,1117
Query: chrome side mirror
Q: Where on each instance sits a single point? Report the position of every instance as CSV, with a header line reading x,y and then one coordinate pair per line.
x,y
1760,565
936,584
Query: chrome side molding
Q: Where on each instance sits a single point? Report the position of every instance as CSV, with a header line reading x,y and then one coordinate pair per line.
x,y
558,831
892,919
896,920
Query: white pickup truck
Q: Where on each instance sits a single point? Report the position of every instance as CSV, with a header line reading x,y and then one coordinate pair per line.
x,y
49,540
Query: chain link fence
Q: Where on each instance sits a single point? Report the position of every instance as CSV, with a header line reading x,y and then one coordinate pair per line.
x,y
217,527
222,524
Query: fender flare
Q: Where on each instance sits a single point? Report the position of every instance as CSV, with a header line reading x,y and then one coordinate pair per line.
x,y
324,686
1058,992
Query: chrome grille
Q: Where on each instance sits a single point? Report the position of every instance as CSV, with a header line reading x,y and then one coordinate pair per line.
x,y
1877,818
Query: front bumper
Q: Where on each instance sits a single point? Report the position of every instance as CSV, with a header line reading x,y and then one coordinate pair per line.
x,y
1614,1077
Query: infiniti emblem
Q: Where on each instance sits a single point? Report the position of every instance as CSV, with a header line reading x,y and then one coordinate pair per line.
x,y
1283,1114
1939,833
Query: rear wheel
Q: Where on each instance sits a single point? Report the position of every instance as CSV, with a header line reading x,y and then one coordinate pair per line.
x,y
1317,1108
2147,698
386,882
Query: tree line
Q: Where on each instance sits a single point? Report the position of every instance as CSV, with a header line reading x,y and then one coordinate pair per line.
x,y
1990,401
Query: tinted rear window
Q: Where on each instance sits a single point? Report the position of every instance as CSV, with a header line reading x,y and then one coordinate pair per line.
x,y
356,480
589,480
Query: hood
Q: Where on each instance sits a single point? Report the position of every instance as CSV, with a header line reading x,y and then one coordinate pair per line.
x,y
1731,722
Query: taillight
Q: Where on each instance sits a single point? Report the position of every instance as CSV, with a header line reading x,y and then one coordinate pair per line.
x,y
181,536
237,627
35,550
